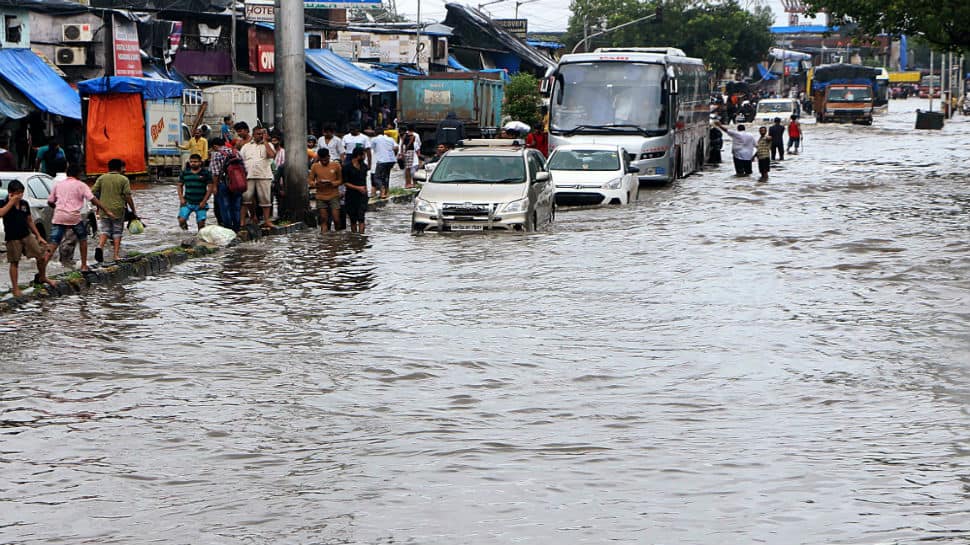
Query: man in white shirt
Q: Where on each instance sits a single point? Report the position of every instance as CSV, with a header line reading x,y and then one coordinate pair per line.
x,y
333,143
357,140
385,154
258,155
743,147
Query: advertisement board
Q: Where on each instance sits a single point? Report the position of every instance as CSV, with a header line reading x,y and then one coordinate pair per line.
x,y
343,4
163,126
127,51
516,27
266,58
260,11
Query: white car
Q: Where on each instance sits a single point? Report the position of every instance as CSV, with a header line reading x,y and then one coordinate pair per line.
x,y
591,174
37,187
782,108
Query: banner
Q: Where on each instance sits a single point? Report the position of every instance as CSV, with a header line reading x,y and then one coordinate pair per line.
x,y
343,4
127,52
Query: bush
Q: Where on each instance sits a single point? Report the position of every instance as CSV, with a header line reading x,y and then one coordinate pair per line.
x,y
522,99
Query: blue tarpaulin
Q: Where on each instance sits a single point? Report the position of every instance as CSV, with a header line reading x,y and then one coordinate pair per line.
x,y
149,88
803,29
13,104
455,65
29,74
544,44
765,73
389,77
343,73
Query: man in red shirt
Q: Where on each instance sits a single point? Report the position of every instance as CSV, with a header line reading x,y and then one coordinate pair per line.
x,y
539,140
794,134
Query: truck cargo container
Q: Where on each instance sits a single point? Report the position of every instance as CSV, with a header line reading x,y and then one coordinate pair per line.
x,y
475,98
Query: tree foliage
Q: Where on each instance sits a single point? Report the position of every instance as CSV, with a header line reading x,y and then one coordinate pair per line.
x,y
724,34
522,99
943,23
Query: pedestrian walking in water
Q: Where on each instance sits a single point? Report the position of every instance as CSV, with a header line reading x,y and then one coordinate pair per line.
x,y
195,188
763,153
777,134
742,148
325,179
384,150
21,235
51,158
114,190
794,134
68,198
408,154
354,173
229,201
258,155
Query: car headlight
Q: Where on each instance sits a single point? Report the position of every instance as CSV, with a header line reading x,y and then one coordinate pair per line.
x,y
521,205
425,207
613,184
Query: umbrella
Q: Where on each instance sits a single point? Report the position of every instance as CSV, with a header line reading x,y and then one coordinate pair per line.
x,y
517,126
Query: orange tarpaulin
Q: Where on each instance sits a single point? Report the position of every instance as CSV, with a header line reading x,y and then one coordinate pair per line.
x,y
116,130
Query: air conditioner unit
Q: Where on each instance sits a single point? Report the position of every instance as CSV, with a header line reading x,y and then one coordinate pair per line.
x,y
71,56
75,32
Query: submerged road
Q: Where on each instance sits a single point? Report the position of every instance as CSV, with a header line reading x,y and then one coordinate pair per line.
x,y
721,362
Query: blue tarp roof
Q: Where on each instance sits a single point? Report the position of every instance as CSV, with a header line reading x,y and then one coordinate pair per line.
x,y
765,74
31,76
806,29
389,77
455,65
150,88
544,44
343,72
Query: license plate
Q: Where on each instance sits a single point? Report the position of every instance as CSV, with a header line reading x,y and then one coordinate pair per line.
x,y
467,227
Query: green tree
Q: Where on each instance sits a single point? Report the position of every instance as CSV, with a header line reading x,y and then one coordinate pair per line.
x,y
522,99
943,23
723,34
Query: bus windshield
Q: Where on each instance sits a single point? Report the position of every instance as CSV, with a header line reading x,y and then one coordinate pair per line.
x,y
621,96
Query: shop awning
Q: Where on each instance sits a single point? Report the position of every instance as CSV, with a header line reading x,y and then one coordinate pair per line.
x,y
28,73
344,74
149,88
13,104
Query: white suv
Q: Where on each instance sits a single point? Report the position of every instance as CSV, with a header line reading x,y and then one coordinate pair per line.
x,y
485,185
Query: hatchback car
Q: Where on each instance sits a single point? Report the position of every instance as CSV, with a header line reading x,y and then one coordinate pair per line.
x,y
37,188
485,185
591,174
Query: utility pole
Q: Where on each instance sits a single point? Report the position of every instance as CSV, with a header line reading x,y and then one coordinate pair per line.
x,y
277,82
291,73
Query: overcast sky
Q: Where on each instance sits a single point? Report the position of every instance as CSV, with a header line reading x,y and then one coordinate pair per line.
x,y
543,15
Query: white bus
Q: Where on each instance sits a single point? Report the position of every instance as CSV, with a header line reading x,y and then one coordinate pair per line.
x,y
654,102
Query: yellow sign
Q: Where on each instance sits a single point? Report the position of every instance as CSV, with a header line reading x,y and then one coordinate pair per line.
x,y
904,77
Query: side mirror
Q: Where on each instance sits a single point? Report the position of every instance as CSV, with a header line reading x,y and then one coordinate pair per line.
x,y
420,176
633,169
544,87
542,177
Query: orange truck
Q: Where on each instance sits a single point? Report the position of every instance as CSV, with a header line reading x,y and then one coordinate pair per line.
x,y
844,93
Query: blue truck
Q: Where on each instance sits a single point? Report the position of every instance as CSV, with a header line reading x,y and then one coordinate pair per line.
x,y
475,98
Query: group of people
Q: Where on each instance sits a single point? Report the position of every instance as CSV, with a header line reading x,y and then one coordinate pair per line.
x,y
769,145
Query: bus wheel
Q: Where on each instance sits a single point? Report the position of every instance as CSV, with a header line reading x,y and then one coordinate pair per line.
x,y
679,166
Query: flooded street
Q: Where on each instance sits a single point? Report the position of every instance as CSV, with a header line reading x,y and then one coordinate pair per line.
x,y
722,362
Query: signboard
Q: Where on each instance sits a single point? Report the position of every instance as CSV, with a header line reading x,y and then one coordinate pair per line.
x,y
517,27
266,58
127,52
343,4
260,11
163,124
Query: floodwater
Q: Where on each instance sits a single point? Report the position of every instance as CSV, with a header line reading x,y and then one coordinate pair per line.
x,y
722,362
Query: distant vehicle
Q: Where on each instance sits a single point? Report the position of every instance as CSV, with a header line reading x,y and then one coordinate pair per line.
x,y
590,174
770,108
474,97
652,101
37,188
930,85
485,185
844,93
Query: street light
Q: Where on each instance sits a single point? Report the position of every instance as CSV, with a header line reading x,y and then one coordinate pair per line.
x,y
658,14
521,2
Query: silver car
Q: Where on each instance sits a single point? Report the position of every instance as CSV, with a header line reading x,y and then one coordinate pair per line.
x,y
485,185
37,187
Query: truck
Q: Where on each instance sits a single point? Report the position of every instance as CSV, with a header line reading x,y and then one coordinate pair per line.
x,y
844,93
475,98
219,101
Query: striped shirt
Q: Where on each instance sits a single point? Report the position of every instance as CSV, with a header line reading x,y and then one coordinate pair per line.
x,y
764,148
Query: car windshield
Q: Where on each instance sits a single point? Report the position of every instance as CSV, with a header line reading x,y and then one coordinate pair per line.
x,y
773,107
575,159
481,169
39,188
851,94
621,96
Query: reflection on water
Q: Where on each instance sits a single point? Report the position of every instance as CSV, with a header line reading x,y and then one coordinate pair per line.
x,y
723,362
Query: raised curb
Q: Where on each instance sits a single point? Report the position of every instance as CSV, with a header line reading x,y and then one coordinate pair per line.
x,y
138,267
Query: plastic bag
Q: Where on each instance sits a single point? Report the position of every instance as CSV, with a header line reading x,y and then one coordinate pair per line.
x,y
219,236
136,227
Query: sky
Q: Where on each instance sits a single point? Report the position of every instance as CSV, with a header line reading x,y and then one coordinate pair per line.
x,y
543,15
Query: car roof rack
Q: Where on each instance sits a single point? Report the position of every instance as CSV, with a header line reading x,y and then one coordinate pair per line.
x,y
490,143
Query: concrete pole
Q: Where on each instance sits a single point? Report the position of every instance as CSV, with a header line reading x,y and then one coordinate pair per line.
x,y
291,71
278,82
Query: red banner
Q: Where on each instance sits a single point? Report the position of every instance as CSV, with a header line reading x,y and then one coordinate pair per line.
x,y
127,52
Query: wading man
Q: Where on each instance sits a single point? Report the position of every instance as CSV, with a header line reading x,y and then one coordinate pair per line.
x,y
325,179
114,190
22,237
68,198
195,188
742,148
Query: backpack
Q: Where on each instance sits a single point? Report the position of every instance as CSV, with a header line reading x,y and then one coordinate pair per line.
x,y
236,174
